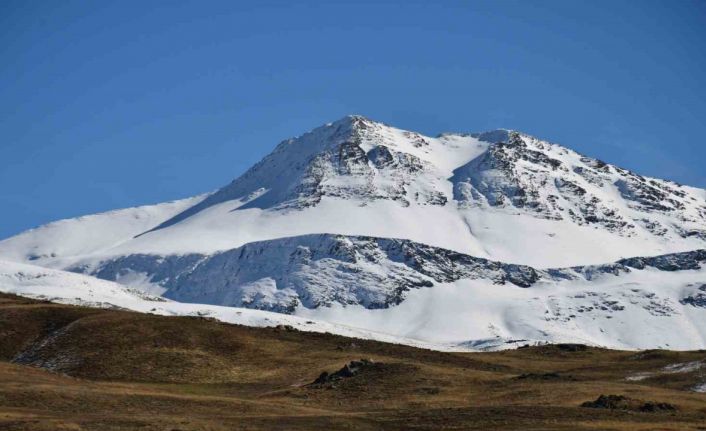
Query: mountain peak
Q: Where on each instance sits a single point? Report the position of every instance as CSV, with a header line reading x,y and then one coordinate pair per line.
x,y
360,161
357,122
353,122
503,136
354,118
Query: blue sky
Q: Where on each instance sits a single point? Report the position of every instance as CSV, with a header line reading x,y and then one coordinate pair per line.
x,y
114,104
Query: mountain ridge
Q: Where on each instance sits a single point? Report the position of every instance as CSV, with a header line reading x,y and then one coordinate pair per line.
x,y
355,168
428,266
366,225
402,292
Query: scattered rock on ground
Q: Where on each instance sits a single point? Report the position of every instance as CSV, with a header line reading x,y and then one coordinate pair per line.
x,y
429,390
349,370
543,376
620,402
572,347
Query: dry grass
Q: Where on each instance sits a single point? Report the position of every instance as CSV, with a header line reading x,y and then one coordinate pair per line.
x,y
122,370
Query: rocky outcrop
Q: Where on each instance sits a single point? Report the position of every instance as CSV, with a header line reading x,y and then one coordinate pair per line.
x,y
522,173
668,262
320,270
310,271
621,402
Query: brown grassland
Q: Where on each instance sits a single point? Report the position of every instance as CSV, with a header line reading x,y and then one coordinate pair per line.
x,y
76,368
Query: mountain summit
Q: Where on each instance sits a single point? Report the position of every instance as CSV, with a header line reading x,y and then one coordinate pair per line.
x,y
500,195
502,171
357,213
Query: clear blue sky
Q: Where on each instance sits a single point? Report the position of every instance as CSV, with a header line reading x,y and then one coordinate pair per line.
x,y
114,104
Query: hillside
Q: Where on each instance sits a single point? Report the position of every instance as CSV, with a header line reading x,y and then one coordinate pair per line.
x,y
65,367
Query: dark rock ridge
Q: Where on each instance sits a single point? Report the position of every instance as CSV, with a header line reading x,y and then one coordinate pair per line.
x,y
349,370
324,269
698,299
621,402
545,377
310,270
492,177
667,262
551,182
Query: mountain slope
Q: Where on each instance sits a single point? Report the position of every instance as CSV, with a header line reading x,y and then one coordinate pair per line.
x,y
57,243
374,227
392,285
501,195
408,293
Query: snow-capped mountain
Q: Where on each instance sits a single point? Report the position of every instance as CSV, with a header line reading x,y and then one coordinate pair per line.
x,y
500,195
358,218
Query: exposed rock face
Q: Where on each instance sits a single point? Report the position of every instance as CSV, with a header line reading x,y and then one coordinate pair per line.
x,y
311,270
697,299
320,270
349,370
669,262
552,182
620,402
